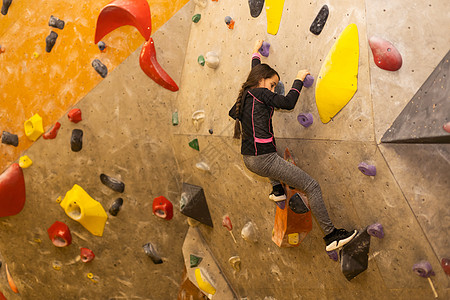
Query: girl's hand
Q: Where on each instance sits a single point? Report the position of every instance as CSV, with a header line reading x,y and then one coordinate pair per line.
x,y
302,74
258,45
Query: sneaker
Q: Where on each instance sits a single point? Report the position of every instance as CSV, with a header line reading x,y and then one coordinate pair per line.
x,y
338,238
277,193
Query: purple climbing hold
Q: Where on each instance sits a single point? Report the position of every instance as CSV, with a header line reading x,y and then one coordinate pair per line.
x,y
264,50
50,41
376,230
423,269
333,255
308,82
281,204
305,119
367,169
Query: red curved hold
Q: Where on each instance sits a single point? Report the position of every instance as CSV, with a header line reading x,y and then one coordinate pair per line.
x,y
2,297
60,234
51,134
119,13
162,208
86,255
385,55
151,67
12,191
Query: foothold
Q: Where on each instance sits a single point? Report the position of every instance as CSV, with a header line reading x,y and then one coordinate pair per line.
x,y
51,134
264,50
235,262
230,22
249,232
175,118
211,131
25,162
194,144
385,55
308,82
50,41
115,207
196,18
333,255
424,269
256,7
12,191
201,60
59,234
5,6
445,264
36,55
10,139
367,169
305,119
11,283
150,250
112,183
193,204
193,222
204,282
162,208
297,204
76,140
279,89
86,255
195,260
355,255
376,230
202,166
74,115
320,20
34,127
55,22
101,69
2,49
293,238
446,127
102,46
57,265
226,222
92,277
197,118
212,60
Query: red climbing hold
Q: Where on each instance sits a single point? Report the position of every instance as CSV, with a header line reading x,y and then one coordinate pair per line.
x,y
151,67
446,127
51,134
74,115
385,55
445,264
86,255
162,208
60,234
12,191
2,297
119,13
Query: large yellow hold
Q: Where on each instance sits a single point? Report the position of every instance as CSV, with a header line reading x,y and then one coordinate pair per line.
x,y
274,11
79,206
203,282
338,76
34,127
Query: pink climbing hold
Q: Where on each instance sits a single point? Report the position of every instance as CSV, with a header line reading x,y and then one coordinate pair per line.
x,y
385,55
12,191
447,127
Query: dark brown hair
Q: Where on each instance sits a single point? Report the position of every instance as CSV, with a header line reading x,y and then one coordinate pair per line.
x,y
258,72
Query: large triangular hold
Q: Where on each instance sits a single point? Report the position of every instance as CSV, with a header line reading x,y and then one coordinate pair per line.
x,y
12,191
193,204
355,255
423,118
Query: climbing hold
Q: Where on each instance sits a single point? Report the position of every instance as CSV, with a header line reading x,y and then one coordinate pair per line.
x,y
385,55
367,169
55,22
194,144
355,255
297,204
162,208
2,49
175,118
197,118
274,10
308,82
226,222
12,191
203,281
57,265
305,119
149,64
279,89
445,264
150,250
79,206
36,55
212,59
25,162
235,262
101,69
5,6
59,234
203,166
51,134
115,207
256,7
92,277
376,230
86,255
119,13
10,139
264,50
195,260
112,183
230,22
337,80
193,204
424,269
33,127
192,222
196,18
102,46
211,131
11,283
74,115
293,238
333,255
50,41
201,60
2,297
249,232
320,20
76,141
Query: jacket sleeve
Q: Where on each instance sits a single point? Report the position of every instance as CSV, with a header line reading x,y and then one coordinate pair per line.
x,y
280,101
232,112
256,59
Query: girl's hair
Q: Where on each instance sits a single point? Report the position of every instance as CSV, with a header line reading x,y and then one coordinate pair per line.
x,y
258,72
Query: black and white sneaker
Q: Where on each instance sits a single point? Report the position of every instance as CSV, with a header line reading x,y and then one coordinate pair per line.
x,y
278,193
338,238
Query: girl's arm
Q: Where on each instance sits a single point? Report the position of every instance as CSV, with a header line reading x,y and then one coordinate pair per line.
x,y
256,57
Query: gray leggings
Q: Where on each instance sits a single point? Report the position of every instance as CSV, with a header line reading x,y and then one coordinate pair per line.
x,y
274,167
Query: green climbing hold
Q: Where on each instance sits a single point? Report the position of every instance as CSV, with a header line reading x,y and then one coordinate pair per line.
x,y
175,118
194,144
195,260
201,60
196,18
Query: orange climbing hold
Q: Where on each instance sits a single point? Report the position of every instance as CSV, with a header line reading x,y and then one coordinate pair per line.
x,y
51,134
12,191
12,285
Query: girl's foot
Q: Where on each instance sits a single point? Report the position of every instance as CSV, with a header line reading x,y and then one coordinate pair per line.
x,y
278,193
338,238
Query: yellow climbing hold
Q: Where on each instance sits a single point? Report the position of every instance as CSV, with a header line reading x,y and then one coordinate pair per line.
x,y
293,238
338,76
35,54
25,162
33,127
274,10
203,282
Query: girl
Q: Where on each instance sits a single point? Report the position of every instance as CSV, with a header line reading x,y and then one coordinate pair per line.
x,y
253,111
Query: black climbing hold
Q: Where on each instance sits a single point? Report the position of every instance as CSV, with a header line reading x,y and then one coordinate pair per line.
x,y
10,139
256,7
320,20
297,205
210,131
193,204
50,41
150,250
5,6
279,89
76,141
101,46
355,255
112,183
116,206
100,67
55,22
